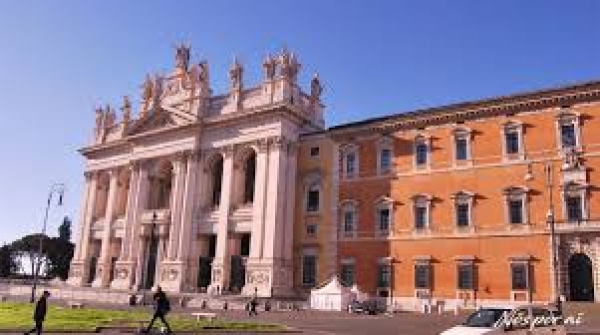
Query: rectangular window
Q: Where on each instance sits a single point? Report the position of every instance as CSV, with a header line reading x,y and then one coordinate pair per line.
x,y
384,219
466,276
421,153
420,217
311,230
350,164
309,270
347,274
348,222
422,276
462,215
574,212
512,142
383,275
312,203
567,134
515,211
461,149
519,276
314,152
386,158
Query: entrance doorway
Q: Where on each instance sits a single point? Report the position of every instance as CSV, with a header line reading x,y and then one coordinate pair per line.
x,y
581,281
151,265
93,266
238,273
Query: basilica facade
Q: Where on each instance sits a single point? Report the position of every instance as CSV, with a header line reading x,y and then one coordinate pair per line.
x,y
247,192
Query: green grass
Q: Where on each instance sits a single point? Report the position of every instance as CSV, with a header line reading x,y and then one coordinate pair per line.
x,y
18,316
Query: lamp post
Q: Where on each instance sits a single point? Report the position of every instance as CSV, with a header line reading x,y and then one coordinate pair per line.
x,y
147,261
59,189
550,216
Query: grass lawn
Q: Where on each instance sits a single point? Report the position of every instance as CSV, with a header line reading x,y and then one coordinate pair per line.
x,y
18,316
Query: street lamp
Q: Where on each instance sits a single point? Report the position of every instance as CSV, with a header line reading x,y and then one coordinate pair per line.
x,y
551,220
147,262
58,189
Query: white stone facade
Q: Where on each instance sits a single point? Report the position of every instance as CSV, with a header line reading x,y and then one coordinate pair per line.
x,y
197,192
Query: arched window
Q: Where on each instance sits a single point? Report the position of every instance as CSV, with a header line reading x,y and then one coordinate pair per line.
x,y
216,177
384,156
350,161
384,213
421,151
349,219
102,196
249,177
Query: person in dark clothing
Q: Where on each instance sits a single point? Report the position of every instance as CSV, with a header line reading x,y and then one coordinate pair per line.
x,y
253,304
162,306
40,313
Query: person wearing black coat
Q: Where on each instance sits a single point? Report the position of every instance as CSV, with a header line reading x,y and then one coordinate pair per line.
x,y
162,306
39,315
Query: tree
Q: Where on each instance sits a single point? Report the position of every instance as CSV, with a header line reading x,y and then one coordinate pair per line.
x,y
8,261
64,230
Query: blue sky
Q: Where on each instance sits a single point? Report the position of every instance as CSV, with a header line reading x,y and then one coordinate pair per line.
x,y
59,59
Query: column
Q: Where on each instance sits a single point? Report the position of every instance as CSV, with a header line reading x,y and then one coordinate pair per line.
x,y
288,232
258,210
137,247
104,267
220,275
79,265
125,264
177,196
185,235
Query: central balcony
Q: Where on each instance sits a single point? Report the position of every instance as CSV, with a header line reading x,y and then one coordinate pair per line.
x,y
163,216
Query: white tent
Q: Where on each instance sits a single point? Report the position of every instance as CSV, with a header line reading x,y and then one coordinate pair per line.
x,y
332,296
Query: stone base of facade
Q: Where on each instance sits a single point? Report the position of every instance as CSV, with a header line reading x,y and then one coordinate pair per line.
x,y
171,276
268,279
77,274
124,272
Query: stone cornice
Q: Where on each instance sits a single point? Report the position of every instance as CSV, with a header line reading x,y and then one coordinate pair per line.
x,y
503,105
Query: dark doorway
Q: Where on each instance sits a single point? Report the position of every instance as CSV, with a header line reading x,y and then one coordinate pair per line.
x,y
151,265
238,273
204,272
581,281
113,262
93,266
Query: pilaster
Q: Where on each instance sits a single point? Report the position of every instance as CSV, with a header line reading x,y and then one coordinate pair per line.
x,y
220,275
104,266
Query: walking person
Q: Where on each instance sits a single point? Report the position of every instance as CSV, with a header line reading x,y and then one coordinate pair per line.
x,y
39,315
162,306
253,305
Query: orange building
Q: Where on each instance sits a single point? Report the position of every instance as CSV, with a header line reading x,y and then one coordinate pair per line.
x,y
454,205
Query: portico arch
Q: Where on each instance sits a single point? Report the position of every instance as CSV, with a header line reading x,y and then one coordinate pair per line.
x,y
215,179
160,185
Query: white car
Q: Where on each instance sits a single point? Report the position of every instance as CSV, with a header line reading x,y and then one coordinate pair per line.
x,y
529,319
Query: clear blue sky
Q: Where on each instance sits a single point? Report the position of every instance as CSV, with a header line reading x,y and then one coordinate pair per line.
x,y
58,59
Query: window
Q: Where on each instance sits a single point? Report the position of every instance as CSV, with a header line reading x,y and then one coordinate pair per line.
x,y
384,219
516,204
519,276
466,276
515,207
347,272
422,276
461,148
385,160
421,152
420,217
574,208
350,161
309,270
311,230
567,135
511,137
312,201
383,275
314,152
462,214
349,215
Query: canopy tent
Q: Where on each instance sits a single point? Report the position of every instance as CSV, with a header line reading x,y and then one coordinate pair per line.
x,y
332,296
357,294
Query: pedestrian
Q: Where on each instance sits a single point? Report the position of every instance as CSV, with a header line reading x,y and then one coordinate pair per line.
x,y
162,307
253,305
40,313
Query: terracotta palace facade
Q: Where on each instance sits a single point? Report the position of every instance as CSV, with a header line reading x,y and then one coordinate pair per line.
x,y
248,193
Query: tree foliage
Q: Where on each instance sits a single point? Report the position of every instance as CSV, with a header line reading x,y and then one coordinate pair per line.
x,y
8,261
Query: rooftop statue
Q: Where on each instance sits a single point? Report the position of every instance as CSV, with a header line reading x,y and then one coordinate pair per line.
x,y
235,74
126,109
269,67
316,89
182,56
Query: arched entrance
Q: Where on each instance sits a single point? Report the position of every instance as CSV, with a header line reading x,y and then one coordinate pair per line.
x,y
581,281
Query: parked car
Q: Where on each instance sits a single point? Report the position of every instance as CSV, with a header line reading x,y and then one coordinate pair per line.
x,y
528,319
370,307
